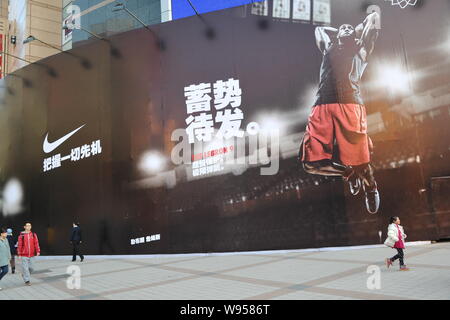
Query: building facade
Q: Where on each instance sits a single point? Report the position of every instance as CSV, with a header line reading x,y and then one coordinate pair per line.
x,y
45,19
3,31
99,17
21,18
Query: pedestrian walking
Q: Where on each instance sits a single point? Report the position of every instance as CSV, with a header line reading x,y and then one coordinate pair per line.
x,y
396,239
12,247
76,240
27,249
5,254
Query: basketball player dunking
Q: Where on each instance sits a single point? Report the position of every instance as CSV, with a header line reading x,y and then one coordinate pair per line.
x,y
336,141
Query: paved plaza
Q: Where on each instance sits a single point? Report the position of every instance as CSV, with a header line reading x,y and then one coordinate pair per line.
x,y
286,275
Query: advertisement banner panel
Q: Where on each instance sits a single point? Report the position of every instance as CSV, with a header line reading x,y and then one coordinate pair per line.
x,y
263,134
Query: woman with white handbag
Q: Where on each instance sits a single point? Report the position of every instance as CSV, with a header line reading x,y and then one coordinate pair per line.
x,y
396,240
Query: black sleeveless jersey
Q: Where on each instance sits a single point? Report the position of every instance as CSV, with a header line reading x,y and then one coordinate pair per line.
x,y
340,73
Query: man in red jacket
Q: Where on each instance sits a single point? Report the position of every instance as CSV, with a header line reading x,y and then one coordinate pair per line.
x,y
27,249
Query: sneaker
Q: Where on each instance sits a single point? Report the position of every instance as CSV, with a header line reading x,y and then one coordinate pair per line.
x,y
353,180
355,186
82,259
74,260
13,271
404,268
388,262
372,198
28,283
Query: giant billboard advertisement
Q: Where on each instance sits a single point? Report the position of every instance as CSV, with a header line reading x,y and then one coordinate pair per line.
x,y
251,128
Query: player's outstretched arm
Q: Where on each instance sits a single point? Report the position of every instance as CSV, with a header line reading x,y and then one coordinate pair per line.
x,y
323,40
369,33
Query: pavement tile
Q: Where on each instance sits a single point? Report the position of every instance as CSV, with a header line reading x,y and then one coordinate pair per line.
x,y
204,288
324,275
294,271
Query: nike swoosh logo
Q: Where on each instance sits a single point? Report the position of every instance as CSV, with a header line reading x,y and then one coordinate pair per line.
x,y
49,147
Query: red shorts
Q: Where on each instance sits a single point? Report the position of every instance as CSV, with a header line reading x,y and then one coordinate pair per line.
x,y
344,123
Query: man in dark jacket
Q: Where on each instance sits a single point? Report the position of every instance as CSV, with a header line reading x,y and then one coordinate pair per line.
x,y
12,247
76,241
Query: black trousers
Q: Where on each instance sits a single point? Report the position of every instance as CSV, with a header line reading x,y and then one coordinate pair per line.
x,y
399,255
76,250
3,271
